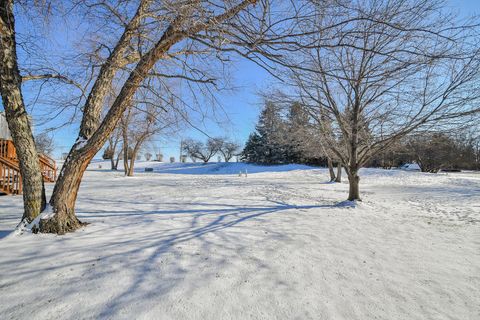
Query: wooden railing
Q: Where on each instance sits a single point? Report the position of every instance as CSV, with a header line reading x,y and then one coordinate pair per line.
x,y
48,167
7,150
10,179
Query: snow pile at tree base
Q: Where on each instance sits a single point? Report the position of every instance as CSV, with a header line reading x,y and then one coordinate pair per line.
x,y
33,227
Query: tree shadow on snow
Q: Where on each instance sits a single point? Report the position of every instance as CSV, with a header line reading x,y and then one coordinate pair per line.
x,y
154,260
4,233
161,245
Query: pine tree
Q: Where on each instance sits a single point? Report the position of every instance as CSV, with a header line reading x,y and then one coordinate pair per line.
x,y
267,144
251,152
297,133
277,139
271,130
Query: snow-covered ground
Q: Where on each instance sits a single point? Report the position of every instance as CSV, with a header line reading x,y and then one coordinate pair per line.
x,y
199,242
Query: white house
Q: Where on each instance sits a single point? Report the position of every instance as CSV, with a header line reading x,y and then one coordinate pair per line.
x,y
4,132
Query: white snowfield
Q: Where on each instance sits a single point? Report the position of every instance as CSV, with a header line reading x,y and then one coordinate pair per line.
x,y
189,241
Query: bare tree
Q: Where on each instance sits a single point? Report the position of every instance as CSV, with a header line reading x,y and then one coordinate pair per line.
x,y
432,152
435,151
144,121
192,148
198,150
124,127
380,70
112,150
228,149
132,59
44,143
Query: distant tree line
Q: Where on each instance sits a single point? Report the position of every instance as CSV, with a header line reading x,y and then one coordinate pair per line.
x,y
288,135
433,152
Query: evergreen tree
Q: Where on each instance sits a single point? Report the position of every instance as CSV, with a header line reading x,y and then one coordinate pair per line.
x,y
298,133
276,140
267,144
251,152
270,127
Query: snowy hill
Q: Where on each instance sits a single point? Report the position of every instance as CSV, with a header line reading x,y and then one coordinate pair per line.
x,y
216,167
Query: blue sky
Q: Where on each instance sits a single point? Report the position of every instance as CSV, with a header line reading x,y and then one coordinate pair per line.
x,y
242,106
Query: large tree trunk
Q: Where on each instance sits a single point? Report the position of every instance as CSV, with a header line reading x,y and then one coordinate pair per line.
x,y
339,173
10,86
330,169
354,191
65,194
353,178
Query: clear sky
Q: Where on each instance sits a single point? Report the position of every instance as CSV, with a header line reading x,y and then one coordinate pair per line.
x,y
242,106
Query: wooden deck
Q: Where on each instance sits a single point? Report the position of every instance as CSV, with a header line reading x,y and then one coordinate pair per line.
x,y
10,179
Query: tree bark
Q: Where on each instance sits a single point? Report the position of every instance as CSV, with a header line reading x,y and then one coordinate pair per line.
x,y
330,169
65,194
93,106
339,173
354,191
17,118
